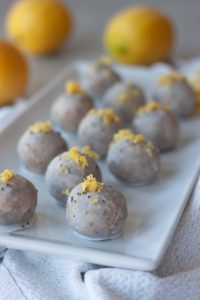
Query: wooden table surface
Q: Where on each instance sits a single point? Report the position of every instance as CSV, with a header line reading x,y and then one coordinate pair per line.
x,y
91,16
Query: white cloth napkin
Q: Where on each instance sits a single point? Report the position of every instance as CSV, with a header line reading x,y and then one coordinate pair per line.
x,y
30,276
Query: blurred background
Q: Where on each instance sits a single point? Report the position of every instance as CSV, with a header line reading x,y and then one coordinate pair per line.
x,y
90,18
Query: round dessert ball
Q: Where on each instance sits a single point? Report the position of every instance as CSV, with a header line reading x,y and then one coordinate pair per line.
x,y
124,98
69,169
157,123
174,90
100,78
68,110
133,159
39,145
18,198
97,129
96,211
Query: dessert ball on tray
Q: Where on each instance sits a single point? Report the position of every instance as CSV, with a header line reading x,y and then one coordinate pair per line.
x,y
97,129
68,169
39,145
18,198
124,98
133,159
174,90
68,110
96,211
157,123
101,77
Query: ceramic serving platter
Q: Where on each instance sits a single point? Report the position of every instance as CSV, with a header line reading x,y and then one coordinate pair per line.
x,y
154,210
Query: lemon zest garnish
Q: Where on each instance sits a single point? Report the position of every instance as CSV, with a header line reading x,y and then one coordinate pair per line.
x,y
6,175
105,60
94,200
73,87
62,169
87,151
130,85
74,154
129,135
90,184
77,157
106,114
64,156
170,78
152,106
43,127
124,97
106,73
135,93
102,61
149,151
66,192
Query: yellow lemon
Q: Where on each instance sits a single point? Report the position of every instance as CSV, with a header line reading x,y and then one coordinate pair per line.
x,y
39,26
139,35
13,73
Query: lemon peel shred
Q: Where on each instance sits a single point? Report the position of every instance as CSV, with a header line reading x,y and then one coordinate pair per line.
x,y
74,154
107,114
170,78
124,97
73,87
66,192
152,106
6,175
90,184
42,127
79,156
105,60
129,135
87,151
62,169
94,200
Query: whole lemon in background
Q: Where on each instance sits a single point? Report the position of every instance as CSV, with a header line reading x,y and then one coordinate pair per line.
x,y
39,26
139,35
13,73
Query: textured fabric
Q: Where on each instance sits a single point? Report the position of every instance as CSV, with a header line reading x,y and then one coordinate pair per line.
x,y
26,275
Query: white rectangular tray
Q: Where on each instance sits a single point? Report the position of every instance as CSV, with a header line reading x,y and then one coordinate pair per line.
x,y
154,210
